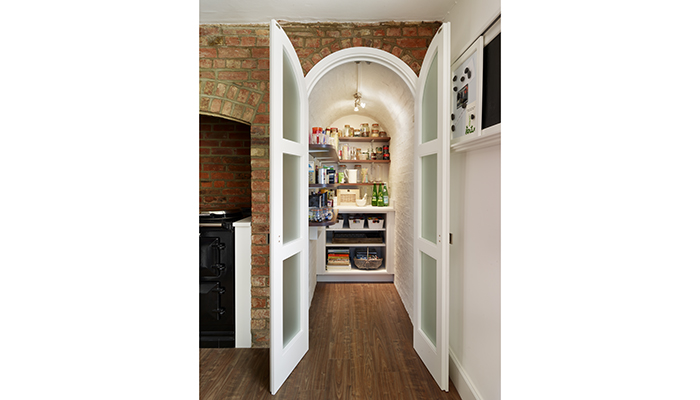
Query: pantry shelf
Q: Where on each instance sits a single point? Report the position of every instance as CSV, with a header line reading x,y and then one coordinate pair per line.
x,y
365,139
356,184
363,161
330,244
330,269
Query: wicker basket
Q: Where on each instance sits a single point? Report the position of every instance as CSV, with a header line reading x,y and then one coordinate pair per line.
x,y
367,264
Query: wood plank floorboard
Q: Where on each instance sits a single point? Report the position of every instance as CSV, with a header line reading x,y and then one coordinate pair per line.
x,y
360,347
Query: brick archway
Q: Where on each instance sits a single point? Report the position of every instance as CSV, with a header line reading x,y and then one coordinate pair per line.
x,y
234,81
238,101
229,100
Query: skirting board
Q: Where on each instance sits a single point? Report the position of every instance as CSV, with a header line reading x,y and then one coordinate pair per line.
x,y
465,387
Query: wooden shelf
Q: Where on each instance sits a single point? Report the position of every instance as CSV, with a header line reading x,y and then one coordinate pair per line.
x,y
364,139
363,161
323,186
357,230
355,244
355,270
357,184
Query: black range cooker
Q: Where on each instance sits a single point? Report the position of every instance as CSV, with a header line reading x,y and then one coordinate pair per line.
x,y
216,278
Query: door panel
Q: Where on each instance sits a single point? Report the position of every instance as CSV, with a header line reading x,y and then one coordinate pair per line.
x,y
289,259
292,299
431,197
291,188
429,104
428,276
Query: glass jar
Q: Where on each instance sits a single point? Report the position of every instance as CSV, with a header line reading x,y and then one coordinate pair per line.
x,y
382,134
375,130
335,137
364,128
347,131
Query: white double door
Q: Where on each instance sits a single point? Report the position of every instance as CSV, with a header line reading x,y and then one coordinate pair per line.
x,y
289,258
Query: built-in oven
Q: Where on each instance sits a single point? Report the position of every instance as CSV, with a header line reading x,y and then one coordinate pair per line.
x,y
216,278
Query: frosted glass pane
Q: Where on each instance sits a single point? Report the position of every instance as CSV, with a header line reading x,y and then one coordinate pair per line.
x,y
290,102
291,185
291,298
428,296
429,113
429,197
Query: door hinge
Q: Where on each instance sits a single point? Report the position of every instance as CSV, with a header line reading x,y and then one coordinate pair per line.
x,y
450,238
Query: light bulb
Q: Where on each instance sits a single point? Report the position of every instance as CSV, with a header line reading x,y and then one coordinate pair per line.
x,y
363,105
357,109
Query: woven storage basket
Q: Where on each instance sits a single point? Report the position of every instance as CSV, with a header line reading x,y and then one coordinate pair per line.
x,y
367,264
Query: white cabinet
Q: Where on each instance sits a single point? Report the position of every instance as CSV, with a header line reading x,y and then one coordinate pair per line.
x,y
384,247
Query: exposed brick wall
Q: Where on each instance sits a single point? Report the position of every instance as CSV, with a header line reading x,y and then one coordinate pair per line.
x,y
224,164
234,68
406,40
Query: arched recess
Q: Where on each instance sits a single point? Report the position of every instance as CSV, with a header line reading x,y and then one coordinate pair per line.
x,y
229,100
396,114
362,54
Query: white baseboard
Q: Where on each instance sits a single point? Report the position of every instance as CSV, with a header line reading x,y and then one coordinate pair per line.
x,y
464,385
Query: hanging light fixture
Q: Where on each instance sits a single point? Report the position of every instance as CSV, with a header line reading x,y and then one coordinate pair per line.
x,y
358,96
358,101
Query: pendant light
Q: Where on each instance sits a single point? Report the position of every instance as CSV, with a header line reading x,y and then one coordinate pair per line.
x,y
358,96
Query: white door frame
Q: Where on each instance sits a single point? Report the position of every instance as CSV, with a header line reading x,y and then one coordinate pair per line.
x,y
313,77
370,54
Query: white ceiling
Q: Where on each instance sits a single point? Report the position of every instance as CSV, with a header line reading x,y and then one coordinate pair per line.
x,y
262,11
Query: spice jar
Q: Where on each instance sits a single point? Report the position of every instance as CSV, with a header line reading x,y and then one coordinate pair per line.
x,y
375,130
382,134
364,129
347,131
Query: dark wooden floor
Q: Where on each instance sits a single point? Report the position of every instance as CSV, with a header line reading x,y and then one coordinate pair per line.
x,y
360,347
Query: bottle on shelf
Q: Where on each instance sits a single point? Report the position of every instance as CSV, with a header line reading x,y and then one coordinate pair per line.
x,y
374,195
385,196
380,196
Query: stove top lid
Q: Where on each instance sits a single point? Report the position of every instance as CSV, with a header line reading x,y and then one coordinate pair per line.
x,y
223,215
218,213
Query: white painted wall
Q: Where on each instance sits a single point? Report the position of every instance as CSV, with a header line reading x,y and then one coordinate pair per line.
x,y
242,239
469,19
313,261
401,198
475,271
475,255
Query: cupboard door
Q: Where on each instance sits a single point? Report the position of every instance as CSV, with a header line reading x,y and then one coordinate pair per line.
x,y
289,237
431,213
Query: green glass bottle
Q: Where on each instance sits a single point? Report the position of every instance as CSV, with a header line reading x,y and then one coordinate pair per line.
x,y
380,197
374,195
385,195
